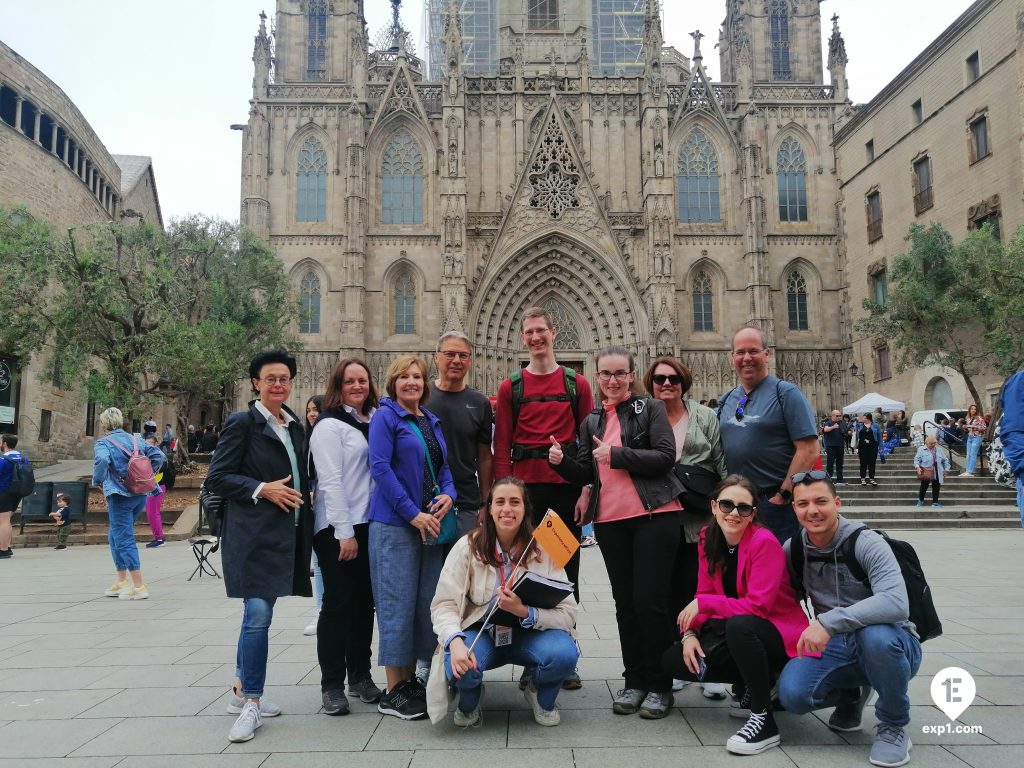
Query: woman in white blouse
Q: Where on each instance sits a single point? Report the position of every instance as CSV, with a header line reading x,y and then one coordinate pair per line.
x,y
339,453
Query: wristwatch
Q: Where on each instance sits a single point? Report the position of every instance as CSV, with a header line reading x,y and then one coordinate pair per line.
x,y
787,495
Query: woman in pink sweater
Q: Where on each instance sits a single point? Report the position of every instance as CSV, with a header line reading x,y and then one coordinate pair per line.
x,y
743,625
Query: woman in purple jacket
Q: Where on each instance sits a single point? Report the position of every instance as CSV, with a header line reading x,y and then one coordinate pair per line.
x,y
405,519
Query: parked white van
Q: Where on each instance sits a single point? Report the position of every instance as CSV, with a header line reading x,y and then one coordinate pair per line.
x,y
917,421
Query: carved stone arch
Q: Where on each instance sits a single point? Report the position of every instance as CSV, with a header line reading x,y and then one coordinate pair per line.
x,y
720,135
802,135
608,310
377,144
395,272
299,138
302,266
689,300
813,283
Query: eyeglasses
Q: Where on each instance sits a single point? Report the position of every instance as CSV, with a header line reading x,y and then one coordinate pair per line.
x,y
739,406
272,380
727,507
617,375
455,355
745,352
814,476
660,379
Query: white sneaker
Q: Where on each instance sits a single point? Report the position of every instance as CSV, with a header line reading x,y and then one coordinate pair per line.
x,y
467,720
246,724
310,629
547,717
966,474
267,708
715,691
678,685
140,592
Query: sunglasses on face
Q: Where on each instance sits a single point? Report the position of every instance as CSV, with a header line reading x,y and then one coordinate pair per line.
x,y
739,406
814,476
673,378
743,510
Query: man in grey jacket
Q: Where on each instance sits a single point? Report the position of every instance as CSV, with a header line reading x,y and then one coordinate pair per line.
x,y
861,631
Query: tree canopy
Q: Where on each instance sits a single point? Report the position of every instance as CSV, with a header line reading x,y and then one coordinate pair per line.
x,y
140,314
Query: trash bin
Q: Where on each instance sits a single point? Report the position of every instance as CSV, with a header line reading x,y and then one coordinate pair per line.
x,y
38,504
79,493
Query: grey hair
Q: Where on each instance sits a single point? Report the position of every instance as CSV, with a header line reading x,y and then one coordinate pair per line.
x,y
111,419
458,336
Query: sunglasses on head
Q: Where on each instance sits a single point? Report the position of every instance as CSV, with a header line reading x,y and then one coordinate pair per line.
x,y
743,510
671,378
739,406
814,476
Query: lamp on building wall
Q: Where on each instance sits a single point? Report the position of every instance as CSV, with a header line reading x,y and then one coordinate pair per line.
x,y
855,372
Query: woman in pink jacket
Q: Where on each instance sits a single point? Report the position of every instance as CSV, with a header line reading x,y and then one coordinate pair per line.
x,y
743,625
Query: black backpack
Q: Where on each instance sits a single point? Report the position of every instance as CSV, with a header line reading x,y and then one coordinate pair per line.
x,y
213,510
23,478
922,607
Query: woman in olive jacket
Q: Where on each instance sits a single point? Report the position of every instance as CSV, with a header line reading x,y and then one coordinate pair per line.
x,y
627,451
267,533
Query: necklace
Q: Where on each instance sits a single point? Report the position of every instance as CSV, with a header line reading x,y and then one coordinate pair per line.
x,y
732,549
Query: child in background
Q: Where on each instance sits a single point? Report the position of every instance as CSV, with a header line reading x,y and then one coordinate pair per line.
x,y
62,519
155,501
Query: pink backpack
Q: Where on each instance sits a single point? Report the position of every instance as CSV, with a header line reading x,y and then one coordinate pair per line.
x,y
139,478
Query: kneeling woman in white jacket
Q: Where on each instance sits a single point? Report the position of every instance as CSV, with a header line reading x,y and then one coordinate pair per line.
x,y
477,573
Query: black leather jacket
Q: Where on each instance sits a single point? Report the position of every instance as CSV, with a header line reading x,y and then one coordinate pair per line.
x,y
648,453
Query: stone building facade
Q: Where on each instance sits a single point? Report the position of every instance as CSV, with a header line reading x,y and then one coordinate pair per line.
x,y
941,143
54,165
655,209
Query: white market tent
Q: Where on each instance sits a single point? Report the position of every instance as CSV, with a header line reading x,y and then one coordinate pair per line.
x,y
873,400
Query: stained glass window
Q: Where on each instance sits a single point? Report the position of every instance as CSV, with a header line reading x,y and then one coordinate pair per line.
x,y
405,304
309,303
568,337
311,198
698,180
779,30
796,299
703,316
316,40
402,181
791,169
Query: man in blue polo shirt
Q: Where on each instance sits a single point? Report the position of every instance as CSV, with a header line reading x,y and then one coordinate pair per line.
x,y
769,432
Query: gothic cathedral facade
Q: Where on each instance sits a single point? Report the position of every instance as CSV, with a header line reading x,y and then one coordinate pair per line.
x,y
646,206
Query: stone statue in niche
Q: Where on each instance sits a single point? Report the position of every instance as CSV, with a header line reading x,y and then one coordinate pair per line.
x,y
449,264
659,161
453,158
453,79
458,264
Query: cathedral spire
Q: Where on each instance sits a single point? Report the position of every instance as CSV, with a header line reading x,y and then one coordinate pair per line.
x,y
262,58
837,61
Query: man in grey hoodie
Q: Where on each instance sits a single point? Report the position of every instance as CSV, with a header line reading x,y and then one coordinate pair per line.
x,y
862,631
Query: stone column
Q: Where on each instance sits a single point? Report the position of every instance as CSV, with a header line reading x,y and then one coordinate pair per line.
x,y
53,139
19,100
67,148
36,126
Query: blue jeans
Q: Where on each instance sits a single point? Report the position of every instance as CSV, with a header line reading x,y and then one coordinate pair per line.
x,y
1020,498
253,642
552,652
121,514
780,519
973,449
883,656
404,574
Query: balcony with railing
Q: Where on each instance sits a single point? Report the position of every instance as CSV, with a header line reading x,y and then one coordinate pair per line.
x,y
923,200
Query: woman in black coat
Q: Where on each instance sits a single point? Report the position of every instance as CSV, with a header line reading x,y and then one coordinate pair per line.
x,y
258,469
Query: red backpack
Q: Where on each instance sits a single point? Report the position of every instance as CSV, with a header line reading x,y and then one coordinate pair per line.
x,y
140,478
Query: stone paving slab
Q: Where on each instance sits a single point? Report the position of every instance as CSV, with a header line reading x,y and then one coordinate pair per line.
x,y
95,682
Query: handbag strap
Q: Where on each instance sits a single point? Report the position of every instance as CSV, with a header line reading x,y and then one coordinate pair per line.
x,y
426,452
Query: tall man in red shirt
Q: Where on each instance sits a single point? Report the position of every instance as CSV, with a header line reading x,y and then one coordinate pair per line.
x,y
545,411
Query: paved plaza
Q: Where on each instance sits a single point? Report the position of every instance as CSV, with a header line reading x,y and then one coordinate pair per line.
x,y
94,682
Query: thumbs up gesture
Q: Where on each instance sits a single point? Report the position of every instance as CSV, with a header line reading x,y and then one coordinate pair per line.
x,y
602,452
555,454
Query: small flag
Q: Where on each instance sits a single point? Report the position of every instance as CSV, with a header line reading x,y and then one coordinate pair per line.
x,y
556,539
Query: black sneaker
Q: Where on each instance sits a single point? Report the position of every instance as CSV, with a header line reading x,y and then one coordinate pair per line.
x,y
759,733
400,702
5,553
525,678
572,682
61,546
366,690
335,702
847,715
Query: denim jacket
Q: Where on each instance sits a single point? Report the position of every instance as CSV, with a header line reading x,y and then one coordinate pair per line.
x,y
111,464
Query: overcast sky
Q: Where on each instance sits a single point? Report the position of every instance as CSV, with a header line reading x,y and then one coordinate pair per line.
x,y
167,79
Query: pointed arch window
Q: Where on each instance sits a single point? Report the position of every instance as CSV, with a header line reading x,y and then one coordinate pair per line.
x,y
316,40
796,301
568,336
309,303
311,200
791,168
404,296
778,20
698,180
402,181
703,307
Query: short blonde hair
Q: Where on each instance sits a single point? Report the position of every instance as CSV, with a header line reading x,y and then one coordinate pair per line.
x,y
931,440
111,419
400,365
